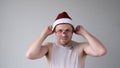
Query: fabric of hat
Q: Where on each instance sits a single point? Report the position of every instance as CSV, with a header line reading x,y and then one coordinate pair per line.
x,y
62,18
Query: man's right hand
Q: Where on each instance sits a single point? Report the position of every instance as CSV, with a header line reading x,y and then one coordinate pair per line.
x,y
48,30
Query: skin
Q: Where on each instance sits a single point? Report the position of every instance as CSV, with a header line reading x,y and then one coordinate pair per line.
x,y
64,33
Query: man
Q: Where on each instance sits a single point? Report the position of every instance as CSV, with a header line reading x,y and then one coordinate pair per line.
x,y
65,53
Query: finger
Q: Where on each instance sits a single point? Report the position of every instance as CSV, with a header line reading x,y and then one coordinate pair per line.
x,y
49,27
78,28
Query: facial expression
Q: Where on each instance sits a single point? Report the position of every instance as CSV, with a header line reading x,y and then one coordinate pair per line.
x,y
63,33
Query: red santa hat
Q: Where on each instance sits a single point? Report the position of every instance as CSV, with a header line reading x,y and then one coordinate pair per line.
x,y
62,18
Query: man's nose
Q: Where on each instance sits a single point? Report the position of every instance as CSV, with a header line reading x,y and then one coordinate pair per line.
x,y
64,33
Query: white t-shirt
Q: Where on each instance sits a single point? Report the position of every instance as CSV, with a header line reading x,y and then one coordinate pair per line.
x,y
65,57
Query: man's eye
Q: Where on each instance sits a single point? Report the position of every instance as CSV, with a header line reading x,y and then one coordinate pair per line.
x,y
67,30
60,30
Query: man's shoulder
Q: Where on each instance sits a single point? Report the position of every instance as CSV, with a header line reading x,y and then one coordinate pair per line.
x,y
48,44
81,45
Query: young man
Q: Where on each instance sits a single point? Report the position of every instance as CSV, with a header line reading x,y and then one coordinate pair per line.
x,y
65,53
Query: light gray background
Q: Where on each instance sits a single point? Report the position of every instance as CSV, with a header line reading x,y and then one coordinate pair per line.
x,y
21,22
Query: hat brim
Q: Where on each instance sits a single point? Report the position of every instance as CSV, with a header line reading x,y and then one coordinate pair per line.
x,y
60,21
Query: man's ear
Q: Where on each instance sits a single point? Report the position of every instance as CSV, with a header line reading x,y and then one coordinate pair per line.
x,y
54,29
74,30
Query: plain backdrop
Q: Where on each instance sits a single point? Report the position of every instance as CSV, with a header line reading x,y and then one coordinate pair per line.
x,y
22,21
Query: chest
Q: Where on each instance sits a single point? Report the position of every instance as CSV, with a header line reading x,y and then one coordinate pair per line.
x,y
64,58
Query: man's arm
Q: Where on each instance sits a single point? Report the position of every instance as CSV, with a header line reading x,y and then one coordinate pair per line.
x,y
37,50
93,46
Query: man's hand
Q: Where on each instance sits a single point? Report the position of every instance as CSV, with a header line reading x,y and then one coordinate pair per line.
x,y
48,30
80,30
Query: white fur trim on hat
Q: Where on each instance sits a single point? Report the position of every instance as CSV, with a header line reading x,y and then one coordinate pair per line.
x,y
62,20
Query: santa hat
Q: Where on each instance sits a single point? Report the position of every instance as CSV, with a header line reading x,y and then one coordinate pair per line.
x,y
62,18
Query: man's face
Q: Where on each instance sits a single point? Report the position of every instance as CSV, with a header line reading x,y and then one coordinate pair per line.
x,y
64,33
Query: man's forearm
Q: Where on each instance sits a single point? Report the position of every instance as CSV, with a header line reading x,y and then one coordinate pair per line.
x,y
35,47
95,44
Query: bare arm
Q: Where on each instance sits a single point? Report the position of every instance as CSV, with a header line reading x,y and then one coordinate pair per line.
x,y
37,49
93,47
